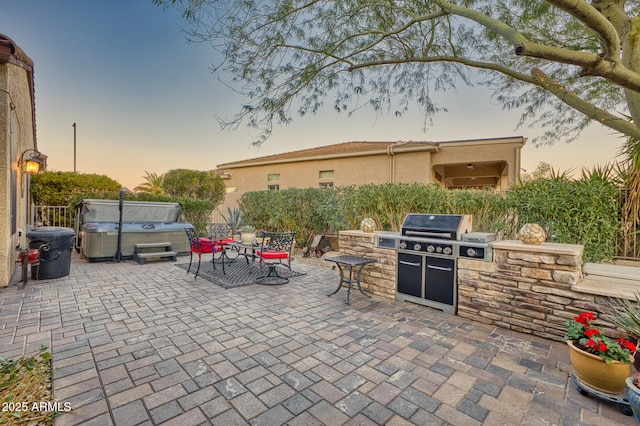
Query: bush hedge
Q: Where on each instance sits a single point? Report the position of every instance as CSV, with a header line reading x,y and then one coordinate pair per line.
x,y
576,211
583,211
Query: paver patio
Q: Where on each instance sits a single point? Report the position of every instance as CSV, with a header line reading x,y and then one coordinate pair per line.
x,y
149,344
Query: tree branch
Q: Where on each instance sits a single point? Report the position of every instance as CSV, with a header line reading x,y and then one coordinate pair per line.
x,y
454,59
539,79
591,63
591,18
603,117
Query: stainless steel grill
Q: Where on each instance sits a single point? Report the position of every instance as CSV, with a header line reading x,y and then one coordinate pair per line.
x,y
428,247
439,226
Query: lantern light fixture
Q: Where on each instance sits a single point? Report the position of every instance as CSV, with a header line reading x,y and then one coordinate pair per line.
x,y
34,163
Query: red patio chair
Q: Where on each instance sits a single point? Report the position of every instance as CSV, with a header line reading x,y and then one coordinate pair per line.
x,y
275,249
200,246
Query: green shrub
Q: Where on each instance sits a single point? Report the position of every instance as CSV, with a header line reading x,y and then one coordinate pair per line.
x,y
582,211
58,188
306,212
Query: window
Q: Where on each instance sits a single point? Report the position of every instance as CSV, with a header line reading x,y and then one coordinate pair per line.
x,y
326,174
273,177
273,187
231,189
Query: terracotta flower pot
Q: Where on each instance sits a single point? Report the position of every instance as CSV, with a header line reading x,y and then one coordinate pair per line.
x,y
596,373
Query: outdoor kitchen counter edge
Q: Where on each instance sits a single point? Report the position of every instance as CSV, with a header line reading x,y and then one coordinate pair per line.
x,y
553,248
357,233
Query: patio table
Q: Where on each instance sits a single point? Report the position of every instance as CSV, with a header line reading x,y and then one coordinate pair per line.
x,y
248,250
224,257
351,262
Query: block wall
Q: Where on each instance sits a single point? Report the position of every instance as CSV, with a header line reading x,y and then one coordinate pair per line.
x,y
528,288
378,278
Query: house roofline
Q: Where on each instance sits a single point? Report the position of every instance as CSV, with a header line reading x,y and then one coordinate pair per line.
x,y
385,151
386,148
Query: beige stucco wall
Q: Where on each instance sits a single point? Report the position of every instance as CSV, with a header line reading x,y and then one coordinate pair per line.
x,y
15,107
371,169
402,164
412,167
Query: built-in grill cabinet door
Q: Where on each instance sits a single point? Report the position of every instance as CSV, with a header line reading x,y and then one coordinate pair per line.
x,y
410,270
440,280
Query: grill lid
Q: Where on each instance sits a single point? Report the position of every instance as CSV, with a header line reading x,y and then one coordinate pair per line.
x,y
442,226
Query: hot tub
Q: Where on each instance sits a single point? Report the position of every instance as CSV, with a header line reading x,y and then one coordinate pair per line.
x,y
100,240
142,222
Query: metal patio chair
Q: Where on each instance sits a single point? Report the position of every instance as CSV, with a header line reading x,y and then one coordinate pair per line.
x,y
275,250
221,234
199,246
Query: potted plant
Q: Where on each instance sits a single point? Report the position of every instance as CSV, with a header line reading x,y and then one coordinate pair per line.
x,y
633,395
599,362
248,235
233,219
626,316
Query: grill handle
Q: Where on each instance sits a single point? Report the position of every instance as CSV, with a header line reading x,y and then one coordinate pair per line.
x,y
447,235
439,268
404,262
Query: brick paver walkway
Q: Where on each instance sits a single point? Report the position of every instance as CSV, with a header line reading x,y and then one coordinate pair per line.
x,y
148,344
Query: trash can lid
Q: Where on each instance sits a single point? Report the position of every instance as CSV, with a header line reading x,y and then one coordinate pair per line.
x,y
50,231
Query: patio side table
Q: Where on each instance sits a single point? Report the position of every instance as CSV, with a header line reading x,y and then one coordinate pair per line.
x,y
350,262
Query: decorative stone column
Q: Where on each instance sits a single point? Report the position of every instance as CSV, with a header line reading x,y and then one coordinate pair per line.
x,y
377,278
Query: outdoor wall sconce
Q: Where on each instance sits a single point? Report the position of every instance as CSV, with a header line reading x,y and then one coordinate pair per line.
x,y
34,164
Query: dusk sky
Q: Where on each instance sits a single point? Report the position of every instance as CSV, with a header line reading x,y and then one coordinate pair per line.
x,y
145,100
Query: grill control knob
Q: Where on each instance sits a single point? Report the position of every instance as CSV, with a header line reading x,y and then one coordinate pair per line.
x,y
417,247
403,245
438,249
431,249
471,252
447,250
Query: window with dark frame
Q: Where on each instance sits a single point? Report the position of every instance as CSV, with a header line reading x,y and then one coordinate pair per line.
x,y
324,176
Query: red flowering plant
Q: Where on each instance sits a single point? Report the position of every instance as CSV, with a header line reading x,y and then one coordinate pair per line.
x,y
590,339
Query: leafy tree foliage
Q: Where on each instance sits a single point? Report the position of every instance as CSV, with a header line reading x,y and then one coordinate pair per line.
x,y
194,184
563,63
59,188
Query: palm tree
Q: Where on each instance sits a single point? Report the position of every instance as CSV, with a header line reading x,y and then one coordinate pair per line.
x,y
152,184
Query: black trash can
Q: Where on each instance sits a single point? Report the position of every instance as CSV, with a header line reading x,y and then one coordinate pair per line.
x,y
55,244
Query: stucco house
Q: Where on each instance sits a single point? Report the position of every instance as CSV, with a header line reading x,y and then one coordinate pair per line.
x,y
17,142
480,163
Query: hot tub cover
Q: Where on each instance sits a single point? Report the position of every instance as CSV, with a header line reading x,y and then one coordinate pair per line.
x,y
93,211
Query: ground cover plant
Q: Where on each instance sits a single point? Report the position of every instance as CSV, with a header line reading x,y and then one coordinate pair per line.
x,y
25,389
